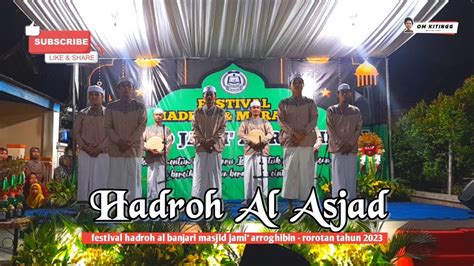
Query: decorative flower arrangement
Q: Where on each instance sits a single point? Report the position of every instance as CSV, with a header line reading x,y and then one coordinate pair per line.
x,y
370,143
370,153
94,256
369,186
194,259
370,181
12,179
12,182
57,241
173,254
347,254
326,188
62,192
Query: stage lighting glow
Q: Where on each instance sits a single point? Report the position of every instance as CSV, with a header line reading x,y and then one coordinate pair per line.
x,y
146,85
352,22
147,62
317,60
309,85
115,22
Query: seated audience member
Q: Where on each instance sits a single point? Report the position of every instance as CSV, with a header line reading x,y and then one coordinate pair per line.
x,y
35,166
3,154
64,170
4,170
35,172
35,198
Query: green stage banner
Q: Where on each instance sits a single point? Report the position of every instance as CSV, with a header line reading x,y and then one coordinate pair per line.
x,y
236,89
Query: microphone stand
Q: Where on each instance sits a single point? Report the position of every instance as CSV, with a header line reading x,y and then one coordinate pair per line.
x,y
165,150
261,158
318,178
324,156
262,176
164,155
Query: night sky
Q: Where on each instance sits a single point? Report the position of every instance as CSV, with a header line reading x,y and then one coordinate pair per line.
x,y
17,63
422,68
430,63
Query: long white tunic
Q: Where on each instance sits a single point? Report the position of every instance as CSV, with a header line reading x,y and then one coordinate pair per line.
x,y
252,160
93,172
208,124
156,178
298,115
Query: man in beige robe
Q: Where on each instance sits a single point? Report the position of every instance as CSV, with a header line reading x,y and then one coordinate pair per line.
x,y
208,134
298,116
344,125
93,158
125,122
255,153
156,176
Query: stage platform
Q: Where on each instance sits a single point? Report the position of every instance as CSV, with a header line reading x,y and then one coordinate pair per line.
x,y
452,227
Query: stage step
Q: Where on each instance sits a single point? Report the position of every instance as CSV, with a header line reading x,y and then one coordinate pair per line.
x,y
444,260
454,242
453,247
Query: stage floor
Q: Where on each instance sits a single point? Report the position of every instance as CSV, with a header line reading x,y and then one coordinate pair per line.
x,y
403,211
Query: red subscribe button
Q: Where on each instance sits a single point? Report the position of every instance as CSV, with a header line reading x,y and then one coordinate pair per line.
x,y
60,42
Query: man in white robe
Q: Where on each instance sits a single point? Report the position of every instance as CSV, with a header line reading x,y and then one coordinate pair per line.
x,y
93,159
344,124
208,135
298,116
255,153
156,177
125,122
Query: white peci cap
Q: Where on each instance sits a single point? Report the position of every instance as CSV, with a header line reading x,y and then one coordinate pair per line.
x,y
209,89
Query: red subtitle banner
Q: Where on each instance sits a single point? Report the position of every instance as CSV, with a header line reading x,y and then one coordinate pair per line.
x,y
60,42
233,238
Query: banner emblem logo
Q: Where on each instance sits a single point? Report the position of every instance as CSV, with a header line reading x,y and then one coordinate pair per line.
x,y
234,82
